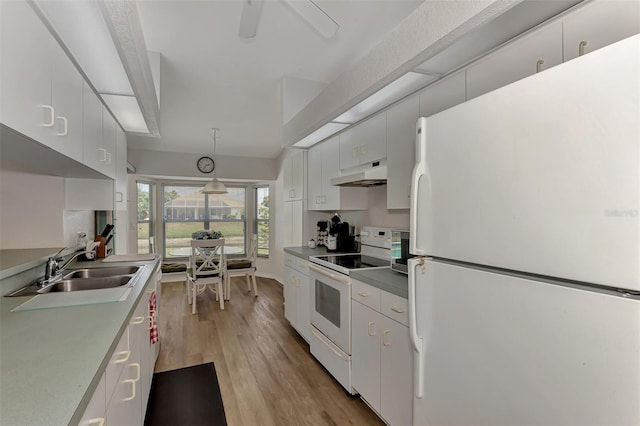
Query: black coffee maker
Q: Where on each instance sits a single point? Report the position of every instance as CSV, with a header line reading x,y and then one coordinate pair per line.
x,y
341,230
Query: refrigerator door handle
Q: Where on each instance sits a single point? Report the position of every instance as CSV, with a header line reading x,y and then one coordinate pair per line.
x,y
419,170
416,341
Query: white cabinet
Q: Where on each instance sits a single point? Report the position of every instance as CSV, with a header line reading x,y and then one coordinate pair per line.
x,y
95,413
382,362
41,89
599,24
121,195
401,125
294,177
99,132
296,294
364,143
444,94
292,223
534,52
323,164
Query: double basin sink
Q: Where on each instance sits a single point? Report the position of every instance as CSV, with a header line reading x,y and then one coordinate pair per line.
x,y
84,279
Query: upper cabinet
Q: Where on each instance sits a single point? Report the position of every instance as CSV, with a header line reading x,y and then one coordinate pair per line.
x,y
323,164
41,89
99,131
120,196
401,124
599,24
532,53
294,177
364,143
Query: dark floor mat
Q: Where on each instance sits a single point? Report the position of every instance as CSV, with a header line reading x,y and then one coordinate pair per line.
x,y
187,397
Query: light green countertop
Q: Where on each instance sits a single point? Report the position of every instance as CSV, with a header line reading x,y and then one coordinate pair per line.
x,y
51,360
384,279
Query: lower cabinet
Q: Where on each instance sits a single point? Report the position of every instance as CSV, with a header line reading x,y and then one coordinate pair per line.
x,y
296,295
123,392
381,357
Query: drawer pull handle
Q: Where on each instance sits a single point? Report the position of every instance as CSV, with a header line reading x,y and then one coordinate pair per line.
x,y
539,65
138,320
581,47
133,389
398,310
385,338
363,294
372,329
126,355
137,366
97,421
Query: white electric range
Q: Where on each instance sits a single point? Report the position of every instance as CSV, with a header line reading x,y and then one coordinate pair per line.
x,y
330,300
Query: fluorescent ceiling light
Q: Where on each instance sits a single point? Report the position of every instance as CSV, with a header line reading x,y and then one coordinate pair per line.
x,y
127,111
82,28
320,134
405,85
315,16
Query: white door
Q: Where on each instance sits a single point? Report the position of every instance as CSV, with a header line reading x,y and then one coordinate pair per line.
x,y
542,177
504,350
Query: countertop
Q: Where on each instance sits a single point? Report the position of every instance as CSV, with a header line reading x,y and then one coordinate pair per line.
x,y
14,261
382,278
52,359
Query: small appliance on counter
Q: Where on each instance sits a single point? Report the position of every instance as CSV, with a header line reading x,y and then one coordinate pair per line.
x,y
340,237
322,232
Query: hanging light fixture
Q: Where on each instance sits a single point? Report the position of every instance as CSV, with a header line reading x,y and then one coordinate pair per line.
x,y
214,186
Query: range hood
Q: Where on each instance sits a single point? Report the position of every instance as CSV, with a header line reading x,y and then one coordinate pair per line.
x,y
373,175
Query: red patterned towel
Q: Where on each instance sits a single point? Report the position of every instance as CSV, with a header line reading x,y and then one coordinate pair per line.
x,y
153,325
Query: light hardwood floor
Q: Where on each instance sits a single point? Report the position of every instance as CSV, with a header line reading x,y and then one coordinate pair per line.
x,y
267,375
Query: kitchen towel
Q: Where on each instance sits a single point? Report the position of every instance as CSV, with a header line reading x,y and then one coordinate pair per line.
x,y
153,324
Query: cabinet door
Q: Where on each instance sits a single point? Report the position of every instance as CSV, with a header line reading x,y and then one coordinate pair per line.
x,y
287,218
365,353
66,97
94,155
516,61
314,178
401,125
330,169
296,222
374,139
303,314
297,176
121,170
109,143
599,24
290,296
442,95
25,75
95,412
396,377
350,148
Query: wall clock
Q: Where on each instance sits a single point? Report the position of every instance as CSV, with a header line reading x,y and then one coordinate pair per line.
x,y
206,164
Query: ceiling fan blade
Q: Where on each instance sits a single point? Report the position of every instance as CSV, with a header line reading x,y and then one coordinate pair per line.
x,y
251,10
315,16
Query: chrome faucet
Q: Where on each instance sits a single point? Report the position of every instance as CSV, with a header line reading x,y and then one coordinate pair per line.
x,y
53,270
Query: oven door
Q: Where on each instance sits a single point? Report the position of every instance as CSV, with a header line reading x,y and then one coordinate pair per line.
x,y
331,305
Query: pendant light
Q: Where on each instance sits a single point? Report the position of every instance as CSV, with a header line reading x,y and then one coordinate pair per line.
x,y
214,186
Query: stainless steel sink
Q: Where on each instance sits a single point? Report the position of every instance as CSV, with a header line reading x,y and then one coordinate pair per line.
x,y
102,272
77,284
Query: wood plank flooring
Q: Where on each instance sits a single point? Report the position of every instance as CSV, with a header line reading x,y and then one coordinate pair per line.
x,y
267,375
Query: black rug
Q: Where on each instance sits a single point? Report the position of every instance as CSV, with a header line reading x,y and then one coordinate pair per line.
x,y
187,396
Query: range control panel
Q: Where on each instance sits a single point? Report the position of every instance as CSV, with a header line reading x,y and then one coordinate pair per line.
x,y
376,237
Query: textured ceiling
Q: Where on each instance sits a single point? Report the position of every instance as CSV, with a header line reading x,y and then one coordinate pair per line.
x,y
212,78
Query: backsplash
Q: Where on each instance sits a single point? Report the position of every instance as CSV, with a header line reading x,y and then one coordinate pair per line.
x,y
74,221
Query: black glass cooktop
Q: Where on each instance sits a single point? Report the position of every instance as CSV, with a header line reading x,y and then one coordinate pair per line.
x,y
354,261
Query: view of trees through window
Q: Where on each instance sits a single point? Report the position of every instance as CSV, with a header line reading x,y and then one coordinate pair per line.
x,y
188,210
145,215
262,220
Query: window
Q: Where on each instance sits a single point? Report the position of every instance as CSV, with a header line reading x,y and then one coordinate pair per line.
x,y
188,210
262,220
145,215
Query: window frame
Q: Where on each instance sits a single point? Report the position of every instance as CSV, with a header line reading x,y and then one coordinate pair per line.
x,y
257,220
151,215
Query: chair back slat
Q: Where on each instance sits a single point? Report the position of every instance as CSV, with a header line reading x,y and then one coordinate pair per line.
x,y
207,257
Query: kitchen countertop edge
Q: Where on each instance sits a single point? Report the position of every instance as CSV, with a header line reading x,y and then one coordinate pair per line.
x,y
385,279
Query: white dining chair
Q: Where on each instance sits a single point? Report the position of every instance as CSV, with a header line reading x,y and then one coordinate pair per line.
x,y
171,271
244,267
207,268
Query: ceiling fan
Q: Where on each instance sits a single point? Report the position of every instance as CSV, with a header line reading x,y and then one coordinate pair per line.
x,y
307,9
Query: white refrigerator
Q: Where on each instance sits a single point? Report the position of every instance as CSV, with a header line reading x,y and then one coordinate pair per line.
x,y
524,297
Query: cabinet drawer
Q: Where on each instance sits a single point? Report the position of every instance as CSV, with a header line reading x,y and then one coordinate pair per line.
x,y
289,260
302,266
395,307
366,294
117,362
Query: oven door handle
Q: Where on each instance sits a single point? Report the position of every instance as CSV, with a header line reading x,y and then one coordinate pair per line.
x,y
329,344
336,276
